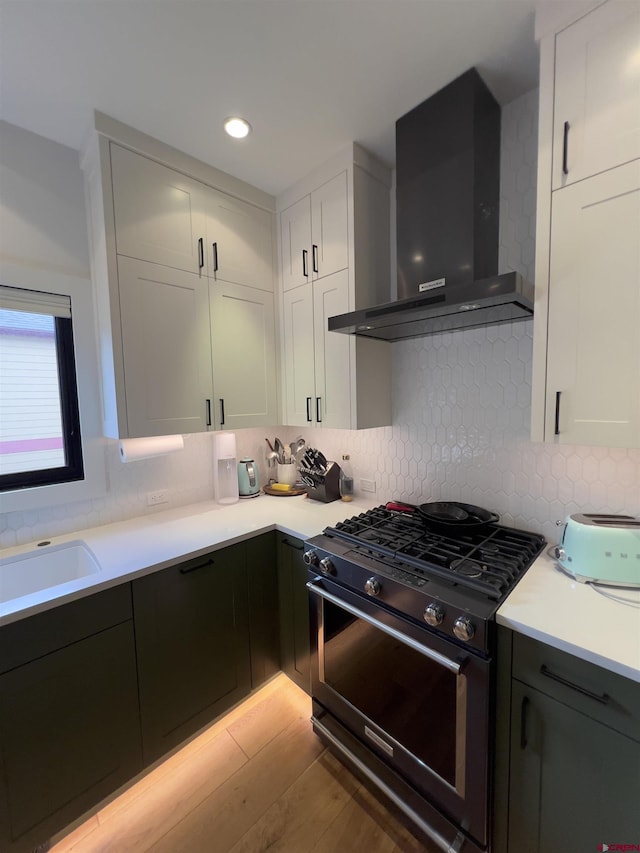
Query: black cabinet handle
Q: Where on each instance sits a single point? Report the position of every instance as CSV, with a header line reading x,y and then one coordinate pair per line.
x,y
603,698
291,545
565,149
305,271
221,412
200,252
524,707
318,418
214,246
309,418
556,430
185,570
314,257
208,402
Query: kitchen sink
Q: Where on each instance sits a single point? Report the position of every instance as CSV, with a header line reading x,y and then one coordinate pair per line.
x,y
45,567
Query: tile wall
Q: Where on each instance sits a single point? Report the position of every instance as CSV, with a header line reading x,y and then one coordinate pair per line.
x,y
461,412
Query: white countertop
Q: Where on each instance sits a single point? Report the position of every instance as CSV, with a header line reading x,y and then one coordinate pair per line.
x,y
574,617
546,605
130,549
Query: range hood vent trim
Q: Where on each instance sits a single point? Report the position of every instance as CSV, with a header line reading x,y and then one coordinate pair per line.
x,y
498,299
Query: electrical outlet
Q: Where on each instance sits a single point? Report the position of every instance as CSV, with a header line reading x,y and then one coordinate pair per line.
x,y
157,497
368,485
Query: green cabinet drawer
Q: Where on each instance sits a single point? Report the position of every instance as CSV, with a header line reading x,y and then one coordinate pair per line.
x,y
54,629
602,695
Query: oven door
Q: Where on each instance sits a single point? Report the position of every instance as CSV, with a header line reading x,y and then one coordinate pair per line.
x,y
415,700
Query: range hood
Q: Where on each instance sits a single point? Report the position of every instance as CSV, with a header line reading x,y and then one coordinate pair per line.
x,y
447,202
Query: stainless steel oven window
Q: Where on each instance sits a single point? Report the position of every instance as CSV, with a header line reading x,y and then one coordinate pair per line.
x,y
388,743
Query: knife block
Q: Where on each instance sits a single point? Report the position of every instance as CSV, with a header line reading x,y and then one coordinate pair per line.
x,y
327,488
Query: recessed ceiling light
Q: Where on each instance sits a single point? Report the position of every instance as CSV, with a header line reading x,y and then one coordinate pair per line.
x,y
237,127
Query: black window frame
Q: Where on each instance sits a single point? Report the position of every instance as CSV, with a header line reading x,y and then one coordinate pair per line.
x,y
73,470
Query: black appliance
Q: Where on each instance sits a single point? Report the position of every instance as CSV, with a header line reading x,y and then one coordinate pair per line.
x,y
447,202
403,645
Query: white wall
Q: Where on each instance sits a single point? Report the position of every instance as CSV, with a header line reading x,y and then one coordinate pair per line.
x,y
460,400
42,222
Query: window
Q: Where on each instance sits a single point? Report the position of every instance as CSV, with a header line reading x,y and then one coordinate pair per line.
x,y
40,442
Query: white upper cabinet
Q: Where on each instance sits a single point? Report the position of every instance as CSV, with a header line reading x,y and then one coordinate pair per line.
x,y
329,226
314,234
298,355
166,348
334,239
593,373
175,260
239,243
295,239
586,348
597,93
157,212
243,347
332,352
167,218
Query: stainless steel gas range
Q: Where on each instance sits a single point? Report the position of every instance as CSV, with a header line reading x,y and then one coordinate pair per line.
x,y
403,647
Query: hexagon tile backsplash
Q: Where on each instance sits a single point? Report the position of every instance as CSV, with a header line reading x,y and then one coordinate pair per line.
x,y
461,413
461,405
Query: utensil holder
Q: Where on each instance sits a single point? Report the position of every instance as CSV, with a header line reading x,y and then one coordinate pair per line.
x,y
327,488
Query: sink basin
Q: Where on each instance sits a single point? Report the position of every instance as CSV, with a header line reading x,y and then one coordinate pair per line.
x,y
45,567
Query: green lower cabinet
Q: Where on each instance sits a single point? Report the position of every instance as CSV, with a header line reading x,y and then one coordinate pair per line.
x,y
575,754
69,723
192,642
294,611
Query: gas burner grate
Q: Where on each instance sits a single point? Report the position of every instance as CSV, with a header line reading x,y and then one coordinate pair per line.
x,y
489,558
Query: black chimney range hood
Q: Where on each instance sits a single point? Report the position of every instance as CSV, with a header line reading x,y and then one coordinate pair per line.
x,y
447,200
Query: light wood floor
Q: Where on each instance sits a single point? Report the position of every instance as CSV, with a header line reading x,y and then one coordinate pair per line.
x,y
258,779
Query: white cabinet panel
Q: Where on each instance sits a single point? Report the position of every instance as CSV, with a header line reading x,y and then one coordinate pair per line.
x,y
295,229
341,221
243,344
329,227
166,348
239,241
597,93
298,346
157,215
593,352
332,367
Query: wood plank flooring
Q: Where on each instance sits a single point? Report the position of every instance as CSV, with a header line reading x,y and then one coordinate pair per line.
x,y
257,779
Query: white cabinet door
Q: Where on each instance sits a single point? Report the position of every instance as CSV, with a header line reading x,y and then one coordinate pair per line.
x,y
243,347
239,241
329,228
597,93
295,230
166,348
157,212
332,365
593,350
298,368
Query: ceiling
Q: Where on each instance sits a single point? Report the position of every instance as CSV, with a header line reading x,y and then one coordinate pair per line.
x,y
310,75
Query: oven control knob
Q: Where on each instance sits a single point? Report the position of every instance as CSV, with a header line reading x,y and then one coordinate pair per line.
x,y
372,587
311,558
327,567
433,614
463,628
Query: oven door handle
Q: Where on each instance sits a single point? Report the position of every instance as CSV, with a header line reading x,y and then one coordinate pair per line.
x,y
452,666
